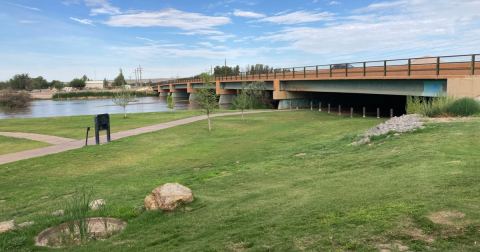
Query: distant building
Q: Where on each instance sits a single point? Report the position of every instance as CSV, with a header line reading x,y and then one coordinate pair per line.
x,y
94,84
425,60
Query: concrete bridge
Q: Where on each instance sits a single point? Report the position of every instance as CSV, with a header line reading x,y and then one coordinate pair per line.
x,y
457,75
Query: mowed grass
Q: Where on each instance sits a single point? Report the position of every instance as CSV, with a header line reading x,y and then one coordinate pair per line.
x,y
13,144
76,126
253,194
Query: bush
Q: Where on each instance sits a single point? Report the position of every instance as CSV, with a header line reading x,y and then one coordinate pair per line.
x,y
86,94
12,99
436,106
413,105
464,107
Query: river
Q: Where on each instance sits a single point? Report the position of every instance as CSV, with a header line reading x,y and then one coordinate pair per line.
x,y
50,108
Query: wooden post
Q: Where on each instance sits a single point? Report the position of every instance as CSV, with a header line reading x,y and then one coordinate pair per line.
x,y
378,112
351,112
319,106
297,104
329,108
363,111
311,105
391,113
339,109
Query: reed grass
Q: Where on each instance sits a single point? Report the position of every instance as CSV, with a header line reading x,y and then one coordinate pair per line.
x,y
87,94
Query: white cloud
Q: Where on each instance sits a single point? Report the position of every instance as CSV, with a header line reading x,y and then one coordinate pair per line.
x,y
105,7
383,5
334,3
202,32
68,2
299,17
27,22
221,38
168,18
208,44
22,6
247,14
83,21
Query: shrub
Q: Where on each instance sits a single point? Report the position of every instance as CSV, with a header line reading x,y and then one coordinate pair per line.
x,y
436,106
12,99
464,107
413,105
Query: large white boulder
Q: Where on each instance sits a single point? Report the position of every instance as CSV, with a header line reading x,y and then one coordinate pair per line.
x,y
168,197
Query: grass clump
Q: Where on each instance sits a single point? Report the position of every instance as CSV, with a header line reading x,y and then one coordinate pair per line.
x,y
464,107
76,212
436,106
413,105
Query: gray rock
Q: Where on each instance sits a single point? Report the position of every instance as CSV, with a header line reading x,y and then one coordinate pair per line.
x,y
400,124
396,134
95,205
6,225
26,224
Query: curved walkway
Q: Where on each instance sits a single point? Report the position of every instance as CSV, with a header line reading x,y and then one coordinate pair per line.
x,y
38,137
75,144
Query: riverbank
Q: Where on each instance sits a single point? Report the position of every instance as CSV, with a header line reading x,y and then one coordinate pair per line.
x,y
88,95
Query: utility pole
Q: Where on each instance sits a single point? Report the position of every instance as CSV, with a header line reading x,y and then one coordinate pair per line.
x,y
136,78
140,69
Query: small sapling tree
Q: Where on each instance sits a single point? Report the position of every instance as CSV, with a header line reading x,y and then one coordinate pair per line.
x,y
206,97
170,103
122,97
242,100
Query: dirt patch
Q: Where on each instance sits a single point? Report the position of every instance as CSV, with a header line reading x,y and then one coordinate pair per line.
x,y
238,247
300,154
397,246
407,227
1,201
444,217
451,119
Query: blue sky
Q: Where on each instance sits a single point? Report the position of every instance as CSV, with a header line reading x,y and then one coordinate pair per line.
x,y
64,39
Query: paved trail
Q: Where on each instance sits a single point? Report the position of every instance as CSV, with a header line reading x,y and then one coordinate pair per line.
x,y
64,144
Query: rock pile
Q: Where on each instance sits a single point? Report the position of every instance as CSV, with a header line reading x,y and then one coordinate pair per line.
x,y
168,197
400,124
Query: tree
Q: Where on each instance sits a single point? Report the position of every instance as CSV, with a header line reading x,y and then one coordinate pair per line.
x,y
105,83
77,83
122,98
120,80
39,83
170,103
4,85
242,100
84,78
20,82
258,91
206,97
56,84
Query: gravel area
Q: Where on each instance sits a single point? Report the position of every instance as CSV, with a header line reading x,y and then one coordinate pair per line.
x,y
400,124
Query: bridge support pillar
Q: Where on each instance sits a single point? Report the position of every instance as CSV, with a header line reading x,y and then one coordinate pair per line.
x,y
226,99
180,95
162,94
192,97
464,87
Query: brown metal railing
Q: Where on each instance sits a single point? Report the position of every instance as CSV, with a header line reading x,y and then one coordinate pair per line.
x,y
384,68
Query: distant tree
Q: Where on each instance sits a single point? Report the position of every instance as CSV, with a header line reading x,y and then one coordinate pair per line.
x,y
14,99
120,80
77,83
20,82
39,83
242,100
206,97
85,78
170,103
259,94
4,85
56,84
122,98
105,83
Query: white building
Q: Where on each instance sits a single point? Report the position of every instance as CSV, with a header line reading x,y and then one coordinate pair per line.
x,y
94,84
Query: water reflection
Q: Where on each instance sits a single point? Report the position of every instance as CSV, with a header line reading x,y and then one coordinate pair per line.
x,y
49,108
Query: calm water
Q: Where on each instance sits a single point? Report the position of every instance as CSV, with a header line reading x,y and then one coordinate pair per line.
x,y
49,108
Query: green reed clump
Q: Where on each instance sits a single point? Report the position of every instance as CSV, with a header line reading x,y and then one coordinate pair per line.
x,y
464,107
86,94
76,212
414,105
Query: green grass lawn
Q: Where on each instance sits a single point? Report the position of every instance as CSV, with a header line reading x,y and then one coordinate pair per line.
x,y
254,194
13,144
76,126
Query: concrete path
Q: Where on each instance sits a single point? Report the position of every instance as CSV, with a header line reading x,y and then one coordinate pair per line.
x,y
37,137
75,144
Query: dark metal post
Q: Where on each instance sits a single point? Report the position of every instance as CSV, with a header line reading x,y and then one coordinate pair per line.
x,y
329,108
438,66
339,109
86,138
316,72
391,113
346,69
351,112
294,72
330,71
283,73
267,76
378,112
275,74
473,64
384,68
409,66
363,111
364,68
311,105
304,73
319,106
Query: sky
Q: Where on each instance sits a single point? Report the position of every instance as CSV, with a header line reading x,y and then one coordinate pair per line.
x,y
66,39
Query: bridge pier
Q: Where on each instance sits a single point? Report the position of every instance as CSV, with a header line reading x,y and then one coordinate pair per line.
x,y
180,95
226,99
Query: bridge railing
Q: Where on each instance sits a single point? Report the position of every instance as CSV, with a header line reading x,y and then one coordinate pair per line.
x,y
468,64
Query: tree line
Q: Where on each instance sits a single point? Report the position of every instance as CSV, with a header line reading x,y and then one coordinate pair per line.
x,y
248,69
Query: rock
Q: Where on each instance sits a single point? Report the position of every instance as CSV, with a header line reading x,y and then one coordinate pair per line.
x,y
396,134
171,195
150,203
6,225
300,154
26,224
59,212
95,205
